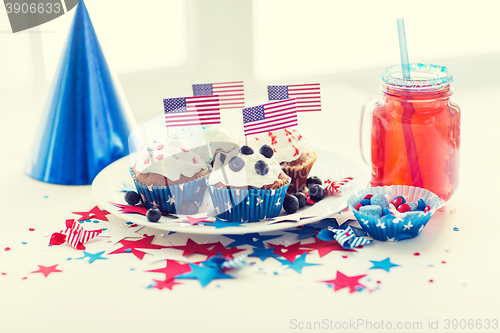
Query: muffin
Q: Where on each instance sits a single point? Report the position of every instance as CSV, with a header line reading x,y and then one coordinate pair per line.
x,y
247,185
169,176
291,151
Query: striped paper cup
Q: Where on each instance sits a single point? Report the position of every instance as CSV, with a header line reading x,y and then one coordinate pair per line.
x,y
170,199
390,227
237,205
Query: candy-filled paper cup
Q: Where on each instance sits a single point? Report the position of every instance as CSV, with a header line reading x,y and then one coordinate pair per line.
x,y
171,199
241,205
390,227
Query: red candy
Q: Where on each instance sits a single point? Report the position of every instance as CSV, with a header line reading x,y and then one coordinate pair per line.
x,y
368,196
404,207
427,208
358,206
397,202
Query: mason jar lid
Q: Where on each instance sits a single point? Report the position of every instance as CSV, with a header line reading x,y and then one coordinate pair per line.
x,y
422,75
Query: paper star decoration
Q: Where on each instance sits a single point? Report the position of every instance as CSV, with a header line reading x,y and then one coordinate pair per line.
x,y
132,246
344,281
204,274
346,237
253,239
224,224
325,247
325,223
126,209
93,256
172,269
299,263
74,234
195,220
221,250
160,284
385,264
94,213
305,232
289,252
263,254
46,270
117,233
193,247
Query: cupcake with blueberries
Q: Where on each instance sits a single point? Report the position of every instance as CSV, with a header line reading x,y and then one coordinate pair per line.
x,y
247,185
291,151
393,213
170,177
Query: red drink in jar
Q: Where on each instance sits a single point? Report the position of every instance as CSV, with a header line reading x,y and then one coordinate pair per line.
x,y
415,131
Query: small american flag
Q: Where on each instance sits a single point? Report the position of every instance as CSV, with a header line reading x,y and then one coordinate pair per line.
x,y
270,117
231,94
188,111
307,95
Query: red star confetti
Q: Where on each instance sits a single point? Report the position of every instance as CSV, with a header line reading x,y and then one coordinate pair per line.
x,y
94,213
172,269
46,270
169,284
74,235
193,247
221,250
132,246
289,252
194,219
126,209
325,247
344,281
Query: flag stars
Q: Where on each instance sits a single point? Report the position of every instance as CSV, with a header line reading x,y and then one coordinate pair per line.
x,y
259,201
407,226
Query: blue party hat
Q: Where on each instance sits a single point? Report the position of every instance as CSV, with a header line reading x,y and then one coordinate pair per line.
x,y
85,126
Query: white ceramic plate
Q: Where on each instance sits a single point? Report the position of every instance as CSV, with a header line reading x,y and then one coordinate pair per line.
x,y
108,184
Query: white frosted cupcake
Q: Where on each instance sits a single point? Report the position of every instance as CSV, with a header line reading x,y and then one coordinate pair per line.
x,y
169,176
291,151
247,185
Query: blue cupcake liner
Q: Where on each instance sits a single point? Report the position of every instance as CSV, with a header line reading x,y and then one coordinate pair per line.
x,y
236,205
390,227
169,197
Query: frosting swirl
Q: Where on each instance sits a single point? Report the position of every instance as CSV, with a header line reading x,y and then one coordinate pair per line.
x,y
288,144
170,158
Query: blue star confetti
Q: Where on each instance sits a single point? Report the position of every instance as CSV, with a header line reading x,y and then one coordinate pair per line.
x,y
224,224
204,274
93,256
305,232
253,239
263,254
298,264
385,264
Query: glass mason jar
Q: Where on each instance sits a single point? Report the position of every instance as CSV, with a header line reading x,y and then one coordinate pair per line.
x,y
415,130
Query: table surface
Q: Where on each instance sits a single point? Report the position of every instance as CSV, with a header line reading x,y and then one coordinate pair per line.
x,y
113,294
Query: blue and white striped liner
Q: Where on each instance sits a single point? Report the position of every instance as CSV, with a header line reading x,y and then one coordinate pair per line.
x,y
390,227
236,205
237,262
169,197
348,239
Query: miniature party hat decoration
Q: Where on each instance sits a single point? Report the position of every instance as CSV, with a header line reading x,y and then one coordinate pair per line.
x,y
85,125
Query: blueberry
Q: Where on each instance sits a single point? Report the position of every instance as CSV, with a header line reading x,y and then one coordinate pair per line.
x,y
189,207
236,163
153,214
313,180
132,198
290,204
261,168
316,192
302,199
246,150
267,151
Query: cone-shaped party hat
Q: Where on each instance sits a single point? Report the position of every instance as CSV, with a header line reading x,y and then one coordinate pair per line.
x,y
85,126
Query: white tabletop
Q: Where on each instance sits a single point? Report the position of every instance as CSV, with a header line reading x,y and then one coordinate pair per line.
x,y
113,295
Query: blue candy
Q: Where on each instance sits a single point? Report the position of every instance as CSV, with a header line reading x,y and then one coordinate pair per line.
x,y
421,204
380,200
412,205
365,202
371,210
385,211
